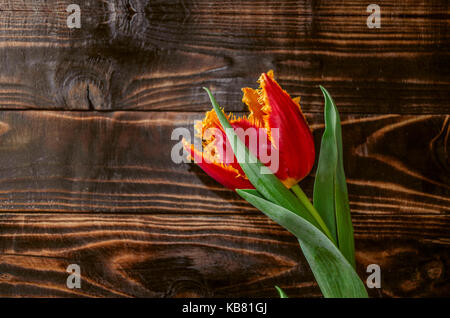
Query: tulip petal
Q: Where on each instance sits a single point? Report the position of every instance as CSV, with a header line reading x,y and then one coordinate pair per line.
x,y
214,141
217,145
252,99
296,142
224,174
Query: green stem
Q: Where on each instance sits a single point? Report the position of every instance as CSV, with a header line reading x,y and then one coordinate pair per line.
x,y
312,210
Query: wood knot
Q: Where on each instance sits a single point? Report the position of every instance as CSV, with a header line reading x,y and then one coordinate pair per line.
x,y
188,289
85,83
434,269
4,277
440,145
412,284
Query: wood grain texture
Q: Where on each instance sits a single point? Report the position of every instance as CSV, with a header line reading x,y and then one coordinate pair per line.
x,y
86,118
121,161
152,256
156,55
196,256
167,229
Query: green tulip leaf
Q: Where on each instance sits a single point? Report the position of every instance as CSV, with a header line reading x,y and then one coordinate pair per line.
x,y
260,176
334,274
281,292
330,189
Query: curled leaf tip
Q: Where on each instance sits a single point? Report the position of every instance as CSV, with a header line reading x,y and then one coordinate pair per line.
x,y
281,292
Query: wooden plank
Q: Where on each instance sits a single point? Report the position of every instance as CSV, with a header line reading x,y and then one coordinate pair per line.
x,y
99,188
148,255
172,231
120,162
191,255
158,55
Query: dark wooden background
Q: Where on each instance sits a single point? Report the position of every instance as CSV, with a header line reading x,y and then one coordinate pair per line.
x,y
86,118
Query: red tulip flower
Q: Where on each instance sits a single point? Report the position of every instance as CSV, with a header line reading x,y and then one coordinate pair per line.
x,y
282,130
271,150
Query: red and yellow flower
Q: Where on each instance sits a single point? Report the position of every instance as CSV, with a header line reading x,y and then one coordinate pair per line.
x,y
270,107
